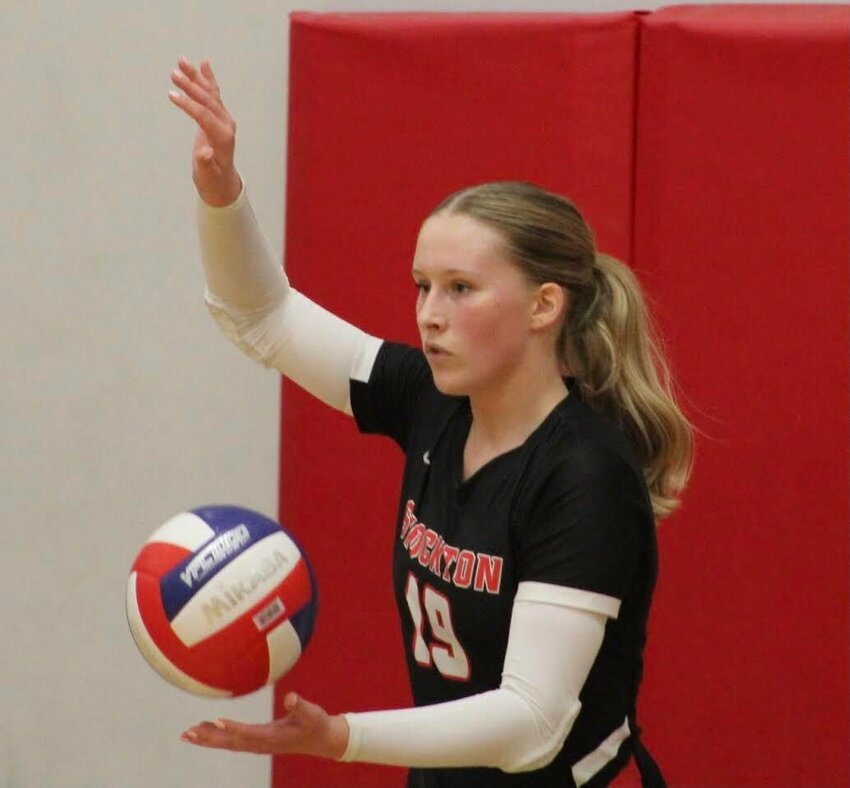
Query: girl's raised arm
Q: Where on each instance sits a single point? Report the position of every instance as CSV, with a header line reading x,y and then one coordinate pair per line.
x,y
247,290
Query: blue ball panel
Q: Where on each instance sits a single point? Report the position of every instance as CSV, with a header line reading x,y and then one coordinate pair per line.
x,y
236,530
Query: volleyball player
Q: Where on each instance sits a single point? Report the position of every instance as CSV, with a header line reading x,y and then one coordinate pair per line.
x,y
542,442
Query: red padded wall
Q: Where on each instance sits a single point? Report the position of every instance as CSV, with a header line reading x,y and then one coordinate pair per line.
x,y
388,114
741,236
742,232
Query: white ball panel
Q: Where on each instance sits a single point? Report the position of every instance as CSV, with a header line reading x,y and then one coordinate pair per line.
x,y
184,530
236,588
284,650
155,657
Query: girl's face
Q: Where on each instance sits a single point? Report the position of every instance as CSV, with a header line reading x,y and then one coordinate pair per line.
x,y
474,305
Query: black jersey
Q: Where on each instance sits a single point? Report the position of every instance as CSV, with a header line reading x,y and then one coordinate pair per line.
x,y
569,507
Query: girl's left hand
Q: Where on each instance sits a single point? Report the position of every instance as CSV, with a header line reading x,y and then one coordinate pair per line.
x,y
307,729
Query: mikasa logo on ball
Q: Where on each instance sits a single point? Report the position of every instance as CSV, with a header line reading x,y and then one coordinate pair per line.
x,y
217,551
234,593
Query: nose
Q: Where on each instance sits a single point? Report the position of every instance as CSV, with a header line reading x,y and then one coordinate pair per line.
x,y
430,316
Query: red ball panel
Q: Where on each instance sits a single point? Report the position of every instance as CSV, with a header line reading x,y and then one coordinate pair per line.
x,y
157,558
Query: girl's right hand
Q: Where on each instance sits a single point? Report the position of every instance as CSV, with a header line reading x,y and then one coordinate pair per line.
x,y
307,729
213,171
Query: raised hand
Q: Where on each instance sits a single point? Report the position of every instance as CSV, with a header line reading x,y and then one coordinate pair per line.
x,y
213,170
307,729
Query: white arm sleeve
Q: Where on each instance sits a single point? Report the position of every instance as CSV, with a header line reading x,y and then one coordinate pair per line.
x,y
249,296
518,727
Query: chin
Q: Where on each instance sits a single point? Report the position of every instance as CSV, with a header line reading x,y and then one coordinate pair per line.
x,y
450,385
447,388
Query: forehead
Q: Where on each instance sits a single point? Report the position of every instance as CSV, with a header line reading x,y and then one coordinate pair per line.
x,y
454,241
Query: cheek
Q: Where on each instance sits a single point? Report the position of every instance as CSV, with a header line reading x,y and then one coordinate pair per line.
x,y
495,332
475,323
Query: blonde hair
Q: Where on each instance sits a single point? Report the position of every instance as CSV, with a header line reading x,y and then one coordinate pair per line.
x,y
608,341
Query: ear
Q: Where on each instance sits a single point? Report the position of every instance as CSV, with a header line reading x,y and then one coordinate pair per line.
x,y
549,306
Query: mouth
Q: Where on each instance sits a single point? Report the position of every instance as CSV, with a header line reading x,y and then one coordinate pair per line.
x,y
435,351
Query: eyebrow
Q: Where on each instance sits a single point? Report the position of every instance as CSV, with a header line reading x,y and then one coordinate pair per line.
x,y
447,272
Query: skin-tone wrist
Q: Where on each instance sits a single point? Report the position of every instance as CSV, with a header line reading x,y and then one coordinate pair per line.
x,y
224,193
338,738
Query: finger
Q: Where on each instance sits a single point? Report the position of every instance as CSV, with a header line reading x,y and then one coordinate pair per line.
x,y
302,711
265,737
202,94
207,72
207,734
218,735
202,76
203,116
235,728
187,68
219,132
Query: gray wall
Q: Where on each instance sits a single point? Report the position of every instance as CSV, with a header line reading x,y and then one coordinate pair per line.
x,y
120,404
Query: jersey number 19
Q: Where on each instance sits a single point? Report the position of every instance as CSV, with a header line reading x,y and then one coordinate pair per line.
x,y
445,652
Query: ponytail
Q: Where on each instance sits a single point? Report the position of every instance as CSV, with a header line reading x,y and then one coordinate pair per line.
x,y
611,346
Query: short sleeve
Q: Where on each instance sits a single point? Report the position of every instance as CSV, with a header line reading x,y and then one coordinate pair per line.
x,y
583,528
387,402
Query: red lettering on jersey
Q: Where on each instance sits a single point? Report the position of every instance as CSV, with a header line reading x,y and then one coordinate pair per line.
x,y
463,571
449,552
488,573
431,538
414,539
460,567
436,555
409,518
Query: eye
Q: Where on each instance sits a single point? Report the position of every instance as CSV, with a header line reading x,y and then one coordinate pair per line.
x,y
422,287
460,288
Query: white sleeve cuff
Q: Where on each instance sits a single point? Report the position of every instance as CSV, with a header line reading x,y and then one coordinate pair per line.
x,y
530,591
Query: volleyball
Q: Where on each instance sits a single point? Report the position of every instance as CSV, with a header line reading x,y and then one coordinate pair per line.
x,y
221,601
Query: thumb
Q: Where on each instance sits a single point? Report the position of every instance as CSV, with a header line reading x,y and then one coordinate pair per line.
x,y
302,710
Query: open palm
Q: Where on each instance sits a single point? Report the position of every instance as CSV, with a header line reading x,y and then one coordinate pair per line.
x,y
307,729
